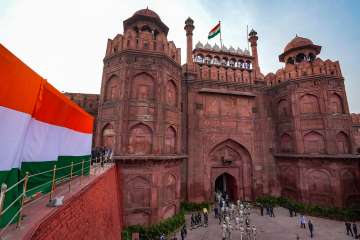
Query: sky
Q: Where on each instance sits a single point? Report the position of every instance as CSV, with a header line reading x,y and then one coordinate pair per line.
x,y
65,40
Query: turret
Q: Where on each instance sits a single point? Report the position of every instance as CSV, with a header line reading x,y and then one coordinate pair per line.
x,y
253,43
189,28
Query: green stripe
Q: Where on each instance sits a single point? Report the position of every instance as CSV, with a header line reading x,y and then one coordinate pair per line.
x,y
211,35
42,183
10,178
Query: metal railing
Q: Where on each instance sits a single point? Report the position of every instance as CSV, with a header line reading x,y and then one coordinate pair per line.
x,y
94,164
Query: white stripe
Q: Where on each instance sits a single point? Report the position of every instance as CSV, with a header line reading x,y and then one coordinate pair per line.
x,y
13,126
45,142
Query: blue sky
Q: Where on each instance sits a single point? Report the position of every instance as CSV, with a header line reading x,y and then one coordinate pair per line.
x,y
64,41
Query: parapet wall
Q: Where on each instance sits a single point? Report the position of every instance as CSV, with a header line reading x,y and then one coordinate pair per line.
x,y
94,213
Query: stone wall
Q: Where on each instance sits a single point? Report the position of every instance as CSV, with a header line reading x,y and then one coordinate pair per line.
x,y
94,213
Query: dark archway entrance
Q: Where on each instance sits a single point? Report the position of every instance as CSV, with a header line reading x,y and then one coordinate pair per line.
x,y
225,183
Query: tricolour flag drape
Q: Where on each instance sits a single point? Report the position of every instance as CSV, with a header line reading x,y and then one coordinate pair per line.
x,y
39,127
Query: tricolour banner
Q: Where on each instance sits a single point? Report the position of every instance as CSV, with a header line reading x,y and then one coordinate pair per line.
x,y
39,127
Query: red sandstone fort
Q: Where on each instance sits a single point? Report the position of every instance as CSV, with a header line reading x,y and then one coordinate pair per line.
x,y
180,132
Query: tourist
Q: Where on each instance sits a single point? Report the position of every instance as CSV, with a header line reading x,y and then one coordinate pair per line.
x,y
355,230
182,233
162,236
311,228
193,221
348,228
267,210
261,210
216,211
272,211
185,230
302,221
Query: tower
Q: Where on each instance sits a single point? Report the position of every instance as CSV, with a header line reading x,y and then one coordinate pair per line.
x,y
139,117
253,43
189,28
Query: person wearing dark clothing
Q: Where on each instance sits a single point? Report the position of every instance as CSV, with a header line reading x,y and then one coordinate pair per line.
x,y
311,228
290,211
272,212
182,234
354,227
267,210
348,228
216,211
261,210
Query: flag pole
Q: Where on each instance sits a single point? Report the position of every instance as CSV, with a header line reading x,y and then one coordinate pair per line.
x,y
247,35
220,35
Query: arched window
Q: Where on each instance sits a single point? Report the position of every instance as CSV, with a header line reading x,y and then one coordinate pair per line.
x,y
112,89
342,143
171,93
215,60
248,64
169,182
309,104
108,136
300,57
286,143
170,140
199,58
207,60
283,108
232,63
336,105
146,28
314,143
138,193
143,87
311,57
290,60
140,140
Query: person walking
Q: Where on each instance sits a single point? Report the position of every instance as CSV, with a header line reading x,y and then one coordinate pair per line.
x,y
261,210
272,211
348,229
311,228
302,221
354,227
182,234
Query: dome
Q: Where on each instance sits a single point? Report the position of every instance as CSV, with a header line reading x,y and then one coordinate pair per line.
x,y
298,42
207,46
199,45
223,48
232,50
246,52
216,47
147,12
239,51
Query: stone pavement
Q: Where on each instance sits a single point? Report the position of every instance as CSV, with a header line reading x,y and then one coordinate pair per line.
x,y
282,227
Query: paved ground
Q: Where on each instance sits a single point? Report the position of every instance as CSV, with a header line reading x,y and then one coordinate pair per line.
x,y
282,227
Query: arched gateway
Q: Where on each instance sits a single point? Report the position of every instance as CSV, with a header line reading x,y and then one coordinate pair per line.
x,y
229,165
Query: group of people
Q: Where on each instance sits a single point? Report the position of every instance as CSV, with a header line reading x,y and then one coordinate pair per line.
x,y
183,233
302,221
352,229
233,217
101,154
199,219
269,210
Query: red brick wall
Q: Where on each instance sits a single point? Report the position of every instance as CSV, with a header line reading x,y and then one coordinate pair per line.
x,y
94,213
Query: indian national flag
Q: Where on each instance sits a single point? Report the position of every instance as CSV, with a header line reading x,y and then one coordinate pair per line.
x,y
215,31
39,127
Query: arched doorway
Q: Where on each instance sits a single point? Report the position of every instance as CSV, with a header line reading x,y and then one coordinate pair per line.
x,y
225,183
